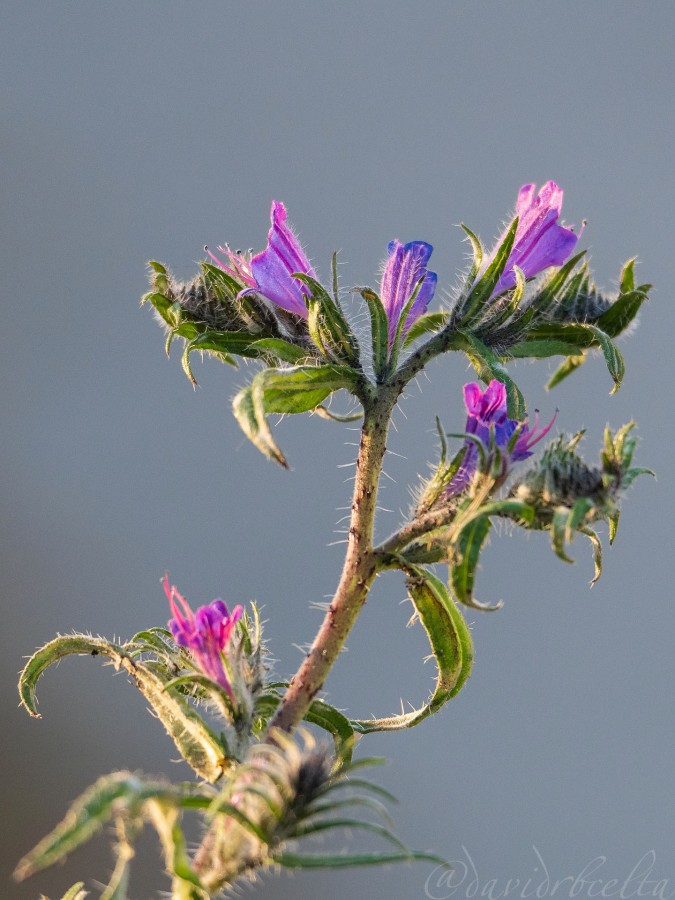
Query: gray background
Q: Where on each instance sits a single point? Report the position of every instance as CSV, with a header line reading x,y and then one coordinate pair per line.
x,y
135,130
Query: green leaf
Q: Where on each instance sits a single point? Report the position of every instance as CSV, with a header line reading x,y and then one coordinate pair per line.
x,y
344,861
621,313
597,552
306,828
627,278
554,287
284,350
575,334
477,252
379,330
319,713
86,817
614,525
571,364
295,390
221,345
482,290
613,357
195,741
542,349
335,723
429,323
451,644
630,476
466,548
465,560
560,532
488,366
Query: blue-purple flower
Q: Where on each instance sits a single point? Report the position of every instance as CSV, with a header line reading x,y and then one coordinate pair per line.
x,y
487,416
205,633
540,241
405,266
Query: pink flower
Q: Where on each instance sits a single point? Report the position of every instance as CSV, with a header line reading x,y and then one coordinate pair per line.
x,y
205,633
487,415
540,241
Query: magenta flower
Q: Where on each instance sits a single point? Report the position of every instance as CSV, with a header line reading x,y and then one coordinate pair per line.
x,y
270,272
405,266
540,241
487,415
272,269
204,633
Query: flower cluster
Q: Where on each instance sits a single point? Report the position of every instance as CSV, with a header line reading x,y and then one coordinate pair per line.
x,y
540,242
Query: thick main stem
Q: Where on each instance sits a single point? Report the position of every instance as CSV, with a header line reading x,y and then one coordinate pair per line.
x,y
359,570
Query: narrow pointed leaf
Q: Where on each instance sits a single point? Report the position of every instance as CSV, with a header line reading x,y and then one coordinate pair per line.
x,y
621,313
555,285
477,254
559,532
465,555
379,331
614,526
86,817
451,644
482,290
344,861
597,552
194,739
280,348
571,364
429,323
613,357
542,349
304,829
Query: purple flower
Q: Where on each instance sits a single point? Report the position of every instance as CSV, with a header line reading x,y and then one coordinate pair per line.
x,y
269,273
487,414
540,241
272,269
204,633
405,266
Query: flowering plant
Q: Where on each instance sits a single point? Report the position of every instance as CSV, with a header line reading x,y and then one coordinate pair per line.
x,y
263,783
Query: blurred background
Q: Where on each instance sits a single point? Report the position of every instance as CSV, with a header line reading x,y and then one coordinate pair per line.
x,y
145,130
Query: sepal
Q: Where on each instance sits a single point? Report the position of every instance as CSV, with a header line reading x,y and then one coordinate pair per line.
x,y
479,292
328,328
432,491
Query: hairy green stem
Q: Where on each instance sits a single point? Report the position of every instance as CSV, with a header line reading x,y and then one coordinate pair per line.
x,y
361,560
359,570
